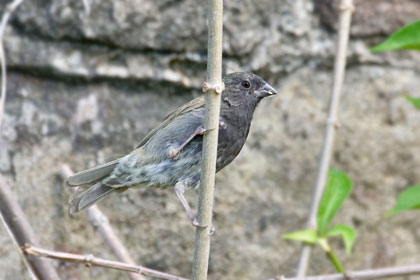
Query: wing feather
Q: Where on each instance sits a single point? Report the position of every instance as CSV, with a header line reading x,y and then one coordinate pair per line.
x,y
188,107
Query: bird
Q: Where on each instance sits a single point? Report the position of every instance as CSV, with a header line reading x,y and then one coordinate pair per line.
x,y
169,156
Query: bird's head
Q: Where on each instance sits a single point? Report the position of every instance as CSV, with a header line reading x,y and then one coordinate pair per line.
x,y
247,88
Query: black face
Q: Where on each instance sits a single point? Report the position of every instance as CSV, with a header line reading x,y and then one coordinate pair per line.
x,y
247,85
243,92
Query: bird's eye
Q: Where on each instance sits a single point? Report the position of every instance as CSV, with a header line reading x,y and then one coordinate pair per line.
x,y
246,84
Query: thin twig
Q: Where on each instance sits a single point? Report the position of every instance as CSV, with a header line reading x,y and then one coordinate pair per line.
x,y
213,89
14,241
100,221
86,5
91,260
346,10
21,232
378,273
6,15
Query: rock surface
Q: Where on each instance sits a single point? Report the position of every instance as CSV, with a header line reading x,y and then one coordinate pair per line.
x,y
83,89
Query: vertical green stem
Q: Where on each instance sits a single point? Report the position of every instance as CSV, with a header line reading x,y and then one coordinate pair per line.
x,y
208,164
346,10
336,262
323,242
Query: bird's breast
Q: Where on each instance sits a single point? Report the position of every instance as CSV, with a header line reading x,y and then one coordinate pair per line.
x,y
231,140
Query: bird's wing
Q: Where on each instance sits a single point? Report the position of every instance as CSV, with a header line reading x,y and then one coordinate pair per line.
x,y
188,107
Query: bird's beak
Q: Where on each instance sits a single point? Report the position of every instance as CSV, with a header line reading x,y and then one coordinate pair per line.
x,y
266,90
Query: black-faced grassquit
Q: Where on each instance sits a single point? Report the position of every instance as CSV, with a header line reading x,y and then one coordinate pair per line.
x,y
170,155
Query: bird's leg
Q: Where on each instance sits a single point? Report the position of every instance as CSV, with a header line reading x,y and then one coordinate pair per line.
x,y
222,125
179,190
173,152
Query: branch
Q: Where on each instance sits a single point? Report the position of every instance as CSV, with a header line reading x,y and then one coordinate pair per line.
x,y
363,274
212,89
4,193
21,232
346,10
7,13
15,243
91,260
86,5
101,222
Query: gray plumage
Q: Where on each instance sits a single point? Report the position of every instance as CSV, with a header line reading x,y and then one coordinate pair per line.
x,y
83,199
93,174
151,164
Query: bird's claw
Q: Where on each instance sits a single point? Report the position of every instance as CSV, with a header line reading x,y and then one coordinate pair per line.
x,y
195,223
212,230
203,131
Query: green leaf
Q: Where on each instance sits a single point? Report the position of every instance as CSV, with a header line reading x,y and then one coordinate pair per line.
x,y
414,101
347,233
406,38
307,235
338,188
409,199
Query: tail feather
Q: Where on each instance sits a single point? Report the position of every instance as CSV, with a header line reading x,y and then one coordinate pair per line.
x,y
92,175
83,199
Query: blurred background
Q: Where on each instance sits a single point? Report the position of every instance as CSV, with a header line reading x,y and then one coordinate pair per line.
x,y
85,88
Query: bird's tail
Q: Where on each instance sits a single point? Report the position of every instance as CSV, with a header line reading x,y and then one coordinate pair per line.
x,y
83,199
92,175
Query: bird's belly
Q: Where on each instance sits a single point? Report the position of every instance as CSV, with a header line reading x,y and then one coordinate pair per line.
x,y
163,172
186,168
230,143
166,172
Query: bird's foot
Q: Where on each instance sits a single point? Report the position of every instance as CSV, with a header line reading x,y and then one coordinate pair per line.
x,y
194,221
174,151
212,230
179,190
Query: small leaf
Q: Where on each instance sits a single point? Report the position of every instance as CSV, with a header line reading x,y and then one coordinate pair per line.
x,y
338,188
347,233
409,199
406,38
307,235
414,101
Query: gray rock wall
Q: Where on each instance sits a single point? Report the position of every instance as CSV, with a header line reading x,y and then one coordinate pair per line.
x,y
83,89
